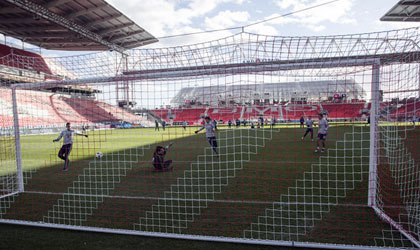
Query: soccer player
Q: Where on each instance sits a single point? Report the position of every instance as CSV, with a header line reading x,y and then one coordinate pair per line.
x,y
302,122
163,125
210,128
273,122
262,122
156,125
309,128
184,125
322,133
230,123
65,150
215,124
159,159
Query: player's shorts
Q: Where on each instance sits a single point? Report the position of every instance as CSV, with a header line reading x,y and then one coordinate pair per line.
x,y
212,141
322,136
65,149
166,165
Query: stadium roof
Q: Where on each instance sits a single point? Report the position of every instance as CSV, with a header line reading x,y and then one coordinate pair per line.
x,y
73,25
405,11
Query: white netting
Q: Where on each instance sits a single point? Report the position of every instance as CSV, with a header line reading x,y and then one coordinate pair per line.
x,y
262,182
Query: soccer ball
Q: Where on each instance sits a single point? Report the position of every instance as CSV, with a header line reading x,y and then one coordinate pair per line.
x,y
99,155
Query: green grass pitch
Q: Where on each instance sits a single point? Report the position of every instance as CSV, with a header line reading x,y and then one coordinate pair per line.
x,y
267,173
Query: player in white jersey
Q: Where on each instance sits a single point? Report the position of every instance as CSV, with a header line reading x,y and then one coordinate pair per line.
x,y
309,128
322,133
210,129
65,150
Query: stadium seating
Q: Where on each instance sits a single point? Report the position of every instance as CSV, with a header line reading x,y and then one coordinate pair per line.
x,y
6,121
408,110
22,59
89,109
162,113
288,112
118,113
225,113
178,115
296,111
38,109
344,110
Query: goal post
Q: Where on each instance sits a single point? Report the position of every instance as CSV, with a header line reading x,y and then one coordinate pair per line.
x,y
19,170
372,195
144,160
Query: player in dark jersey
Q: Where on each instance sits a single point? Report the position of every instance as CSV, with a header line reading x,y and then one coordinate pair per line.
x,y
159,159
302,122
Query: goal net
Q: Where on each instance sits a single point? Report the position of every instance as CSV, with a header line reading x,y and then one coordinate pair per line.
x,y
224,140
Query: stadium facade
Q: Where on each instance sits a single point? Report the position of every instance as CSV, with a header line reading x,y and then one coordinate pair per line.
x,y
270,93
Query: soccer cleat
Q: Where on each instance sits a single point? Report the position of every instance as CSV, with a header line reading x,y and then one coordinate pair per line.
x,y
316,150
65,169
301,138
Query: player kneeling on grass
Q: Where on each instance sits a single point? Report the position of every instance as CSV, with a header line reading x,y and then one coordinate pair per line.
x,y
159,159
65,150
322,133
210,128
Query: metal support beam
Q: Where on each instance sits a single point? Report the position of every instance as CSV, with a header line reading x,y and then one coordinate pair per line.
x,y
10,10
101,20
64,22
113,29
19,20
119,37
40,29
61,41
78,47
55,3
46,36
136,42
409,3
84,12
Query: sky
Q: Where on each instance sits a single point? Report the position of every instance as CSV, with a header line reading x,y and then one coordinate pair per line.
x,y
163,18
171,17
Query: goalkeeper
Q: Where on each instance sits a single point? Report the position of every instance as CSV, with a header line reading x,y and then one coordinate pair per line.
x,y
159,159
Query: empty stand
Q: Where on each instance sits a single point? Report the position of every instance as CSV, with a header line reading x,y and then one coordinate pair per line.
x,y
344,110
38,109
22,59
